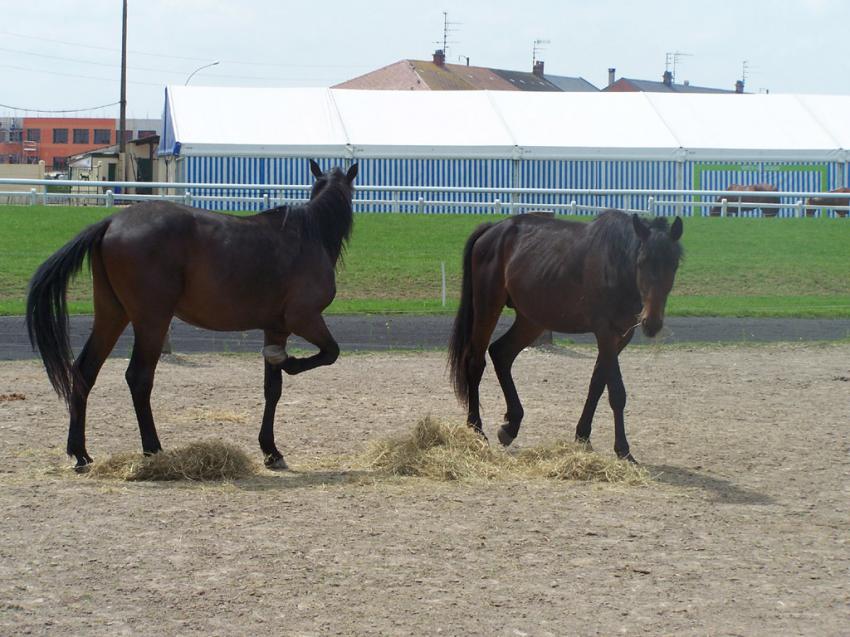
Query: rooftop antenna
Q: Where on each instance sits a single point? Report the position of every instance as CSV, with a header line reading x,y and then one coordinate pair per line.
x,y
672,59
537,48
447,28
745,66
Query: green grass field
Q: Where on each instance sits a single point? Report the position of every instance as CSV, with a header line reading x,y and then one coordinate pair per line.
x,y
733,267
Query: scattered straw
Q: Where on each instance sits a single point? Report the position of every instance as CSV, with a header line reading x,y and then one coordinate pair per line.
x,y
206,460
7,398
454,452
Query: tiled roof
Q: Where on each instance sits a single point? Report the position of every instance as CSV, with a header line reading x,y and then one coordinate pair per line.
x,y
649,86
426,75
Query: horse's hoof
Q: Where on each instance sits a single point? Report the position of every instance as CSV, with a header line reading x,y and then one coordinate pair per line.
x,y
504,437
276,464
83,466
584,442
628,458
477,429
291,366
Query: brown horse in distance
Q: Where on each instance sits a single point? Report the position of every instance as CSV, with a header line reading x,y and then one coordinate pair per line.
x,y
828,202
749,201
272,271
602,277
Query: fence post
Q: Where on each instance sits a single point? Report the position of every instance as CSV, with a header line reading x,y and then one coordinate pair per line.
x,y
395,206
723,207
801,208
110,198
497,206
573,210
420,206
266,200
650,205
32,196
187,198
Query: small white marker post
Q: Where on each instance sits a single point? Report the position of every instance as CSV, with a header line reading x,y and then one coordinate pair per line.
x,y
443,274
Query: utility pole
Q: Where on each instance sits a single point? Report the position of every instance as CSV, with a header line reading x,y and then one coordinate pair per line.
x,y
122,123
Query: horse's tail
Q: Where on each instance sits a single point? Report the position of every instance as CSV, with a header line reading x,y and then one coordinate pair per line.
x,y
47,311
462,330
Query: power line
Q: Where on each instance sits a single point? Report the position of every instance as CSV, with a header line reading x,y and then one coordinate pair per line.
x,y
175,57
64,110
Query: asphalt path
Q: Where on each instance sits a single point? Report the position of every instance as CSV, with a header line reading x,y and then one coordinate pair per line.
x,y
412,332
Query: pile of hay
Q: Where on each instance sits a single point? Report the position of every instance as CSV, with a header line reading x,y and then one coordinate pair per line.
x,y
454,452
565,460
438,451
206,460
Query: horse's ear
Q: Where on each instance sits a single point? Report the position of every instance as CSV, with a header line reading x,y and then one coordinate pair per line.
x,y
641,228
352,173
676,229
315,169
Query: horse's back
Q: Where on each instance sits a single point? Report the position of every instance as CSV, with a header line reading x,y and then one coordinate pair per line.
x,y
538,259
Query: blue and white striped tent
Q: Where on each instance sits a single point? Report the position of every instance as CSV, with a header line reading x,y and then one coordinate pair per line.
x,y
495,139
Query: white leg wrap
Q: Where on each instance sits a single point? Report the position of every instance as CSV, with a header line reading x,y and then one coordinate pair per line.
x,y
274,354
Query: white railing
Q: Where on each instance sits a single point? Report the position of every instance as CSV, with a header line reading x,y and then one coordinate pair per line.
x,y
421,198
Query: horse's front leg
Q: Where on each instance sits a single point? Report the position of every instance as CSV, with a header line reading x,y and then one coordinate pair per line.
x,y
314,331
617,400
274,354
610,346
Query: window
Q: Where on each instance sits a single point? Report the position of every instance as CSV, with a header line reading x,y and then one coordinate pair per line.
x,y
60,163
33,134
16,136
102,136
146,133
81,136
60,135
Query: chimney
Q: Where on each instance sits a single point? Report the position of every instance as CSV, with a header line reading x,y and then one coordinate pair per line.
x,y
538,68
611,72
440,57
667,78
739,86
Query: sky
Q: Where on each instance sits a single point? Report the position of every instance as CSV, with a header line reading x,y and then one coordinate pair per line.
x,y
65,54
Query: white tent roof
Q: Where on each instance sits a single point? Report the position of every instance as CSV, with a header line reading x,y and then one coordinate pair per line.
x,y
503,124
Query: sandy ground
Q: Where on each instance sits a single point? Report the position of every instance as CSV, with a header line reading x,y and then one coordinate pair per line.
x,y
744,532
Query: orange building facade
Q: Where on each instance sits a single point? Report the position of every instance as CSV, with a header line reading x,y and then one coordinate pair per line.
x,y
28,140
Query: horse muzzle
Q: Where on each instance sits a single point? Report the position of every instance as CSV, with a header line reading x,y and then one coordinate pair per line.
x,y
651,325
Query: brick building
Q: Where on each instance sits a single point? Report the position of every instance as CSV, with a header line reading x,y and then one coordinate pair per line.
x,y
28,140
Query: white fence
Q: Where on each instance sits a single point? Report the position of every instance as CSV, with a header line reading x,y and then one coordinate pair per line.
x,y
423,199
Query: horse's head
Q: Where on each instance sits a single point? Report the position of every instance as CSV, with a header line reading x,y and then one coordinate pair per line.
x,y
657,261
334,175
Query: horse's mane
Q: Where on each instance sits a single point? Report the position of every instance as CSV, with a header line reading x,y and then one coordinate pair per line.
x,y
611,237
327,219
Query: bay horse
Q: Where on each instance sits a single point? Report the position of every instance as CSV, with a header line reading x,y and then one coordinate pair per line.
x,y
828,202
273,271
743,203
601,277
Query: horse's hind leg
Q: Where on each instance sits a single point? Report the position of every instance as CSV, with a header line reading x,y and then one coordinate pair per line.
x,y
109,321
149,337
486,318
503,352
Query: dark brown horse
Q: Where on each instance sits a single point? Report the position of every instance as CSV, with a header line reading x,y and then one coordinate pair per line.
x,y
272,271
602,277
828,202
748,202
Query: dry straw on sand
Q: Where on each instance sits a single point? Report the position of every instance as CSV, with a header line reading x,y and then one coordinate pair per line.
x,y
206,460
454,452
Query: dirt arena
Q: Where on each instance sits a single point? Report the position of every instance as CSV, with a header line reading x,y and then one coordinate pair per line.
x,y
744,532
